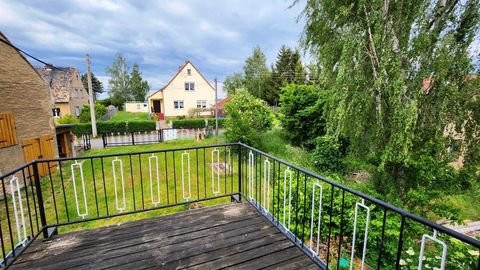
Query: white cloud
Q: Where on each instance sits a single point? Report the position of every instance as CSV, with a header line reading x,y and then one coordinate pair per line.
x,y
216,35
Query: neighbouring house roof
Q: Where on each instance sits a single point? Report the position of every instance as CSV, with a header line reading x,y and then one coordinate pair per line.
x,y
176,74
221,103
59,81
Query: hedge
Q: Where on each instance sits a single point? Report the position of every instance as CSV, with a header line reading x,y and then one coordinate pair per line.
x,y
197,123
189,123
115,127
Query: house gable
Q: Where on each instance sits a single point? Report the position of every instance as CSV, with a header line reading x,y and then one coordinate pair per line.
x,y
187,89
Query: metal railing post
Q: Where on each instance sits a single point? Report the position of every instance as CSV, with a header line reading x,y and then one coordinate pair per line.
x,y
133,138
240,171
41,207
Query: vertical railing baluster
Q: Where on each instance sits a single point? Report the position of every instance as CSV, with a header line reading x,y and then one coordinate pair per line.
x,y
196,160
141,180
266,184
155,200
185,196
72,168
215,167
400,243
422,250
304,207
63,190
340,240
166,177
330,225
28,201
17,201
41,206
382,239
32,183
312,219
120,163
289,172
104,185
94,186
133,182
174,176
53,191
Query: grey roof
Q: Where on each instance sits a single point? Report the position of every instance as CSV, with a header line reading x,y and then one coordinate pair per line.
x,y
59,81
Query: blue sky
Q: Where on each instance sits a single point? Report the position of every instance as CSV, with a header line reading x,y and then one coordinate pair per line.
x,y
217,36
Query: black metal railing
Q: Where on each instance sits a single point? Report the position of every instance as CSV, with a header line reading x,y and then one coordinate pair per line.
x,y
333,224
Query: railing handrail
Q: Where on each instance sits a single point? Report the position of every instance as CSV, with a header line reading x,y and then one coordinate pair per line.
x,y
402,212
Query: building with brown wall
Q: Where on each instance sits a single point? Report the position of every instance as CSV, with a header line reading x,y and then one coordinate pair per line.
x,y
27,130
66,88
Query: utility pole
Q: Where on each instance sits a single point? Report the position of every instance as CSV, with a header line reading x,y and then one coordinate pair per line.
x,y
92,103
216,108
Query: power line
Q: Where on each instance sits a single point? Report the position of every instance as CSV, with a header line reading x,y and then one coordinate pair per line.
x,y
31,56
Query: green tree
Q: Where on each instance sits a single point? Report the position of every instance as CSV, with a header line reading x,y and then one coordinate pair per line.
x,y
119,91
256,73
97,85
100,110
139,88
302,109
233,82
396,75
288,68
247,116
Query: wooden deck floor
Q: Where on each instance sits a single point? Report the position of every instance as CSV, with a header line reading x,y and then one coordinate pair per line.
x,y
229,236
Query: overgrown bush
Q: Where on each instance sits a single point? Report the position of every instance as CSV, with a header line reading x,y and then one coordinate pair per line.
x,y
211,122
67,119
327,155
302,110
247,117
100,110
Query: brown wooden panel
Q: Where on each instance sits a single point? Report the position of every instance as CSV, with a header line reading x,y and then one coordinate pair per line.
x,y
8,134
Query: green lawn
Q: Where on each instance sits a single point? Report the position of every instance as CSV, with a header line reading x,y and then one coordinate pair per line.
x,y
123,116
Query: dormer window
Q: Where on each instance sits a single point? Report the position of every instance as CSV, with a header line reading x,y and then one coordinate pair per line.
x,y
189,72
189,86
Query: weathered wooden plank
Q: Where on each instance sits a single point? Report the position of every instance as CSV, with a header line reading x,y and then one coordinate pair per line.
x,y
301,262
234,235
280,256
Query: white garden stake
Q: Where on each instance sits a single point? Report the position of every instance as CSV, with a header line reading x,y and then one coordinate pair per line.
x,y
84,192
215,153
19,215
364,251
119,161
185,195
154,159
316,185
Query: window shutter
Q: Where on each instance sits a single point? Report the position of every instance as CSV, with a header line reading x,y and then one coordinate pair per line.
x,y
8,133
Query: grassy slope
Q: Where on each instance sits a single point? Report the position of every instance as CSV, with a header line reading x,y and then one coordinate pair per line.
x,y
123,116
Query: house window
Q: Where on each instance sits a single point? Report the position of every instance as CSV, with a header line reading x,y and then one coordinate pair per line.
x,y
77,111
201,103
189,72
56,112
189,86
178,104
8,134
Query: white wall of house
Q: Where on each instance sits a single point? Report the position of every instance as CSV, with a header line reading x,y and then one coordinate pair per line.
x,y
136,107
175,94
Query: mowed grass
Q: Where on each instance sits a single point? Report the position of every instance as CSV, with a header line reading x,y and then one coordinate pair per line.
x,y
123,116
62,206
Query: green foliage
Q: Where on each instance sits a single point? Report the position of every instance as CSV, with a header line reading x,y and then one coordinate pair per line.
x,y
105,102
302,109
67,119
100,110
97,85
188,123
233,82
258,78
139,88
115,127
397,76
327,155
247,117
288,68
119,91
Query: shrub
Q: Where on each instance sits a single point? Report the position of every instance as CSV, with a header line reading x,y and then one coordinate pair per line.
x,y
67,119
141,125
188,123
221,122
115,127
302,110
100,110
247,117
327,155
